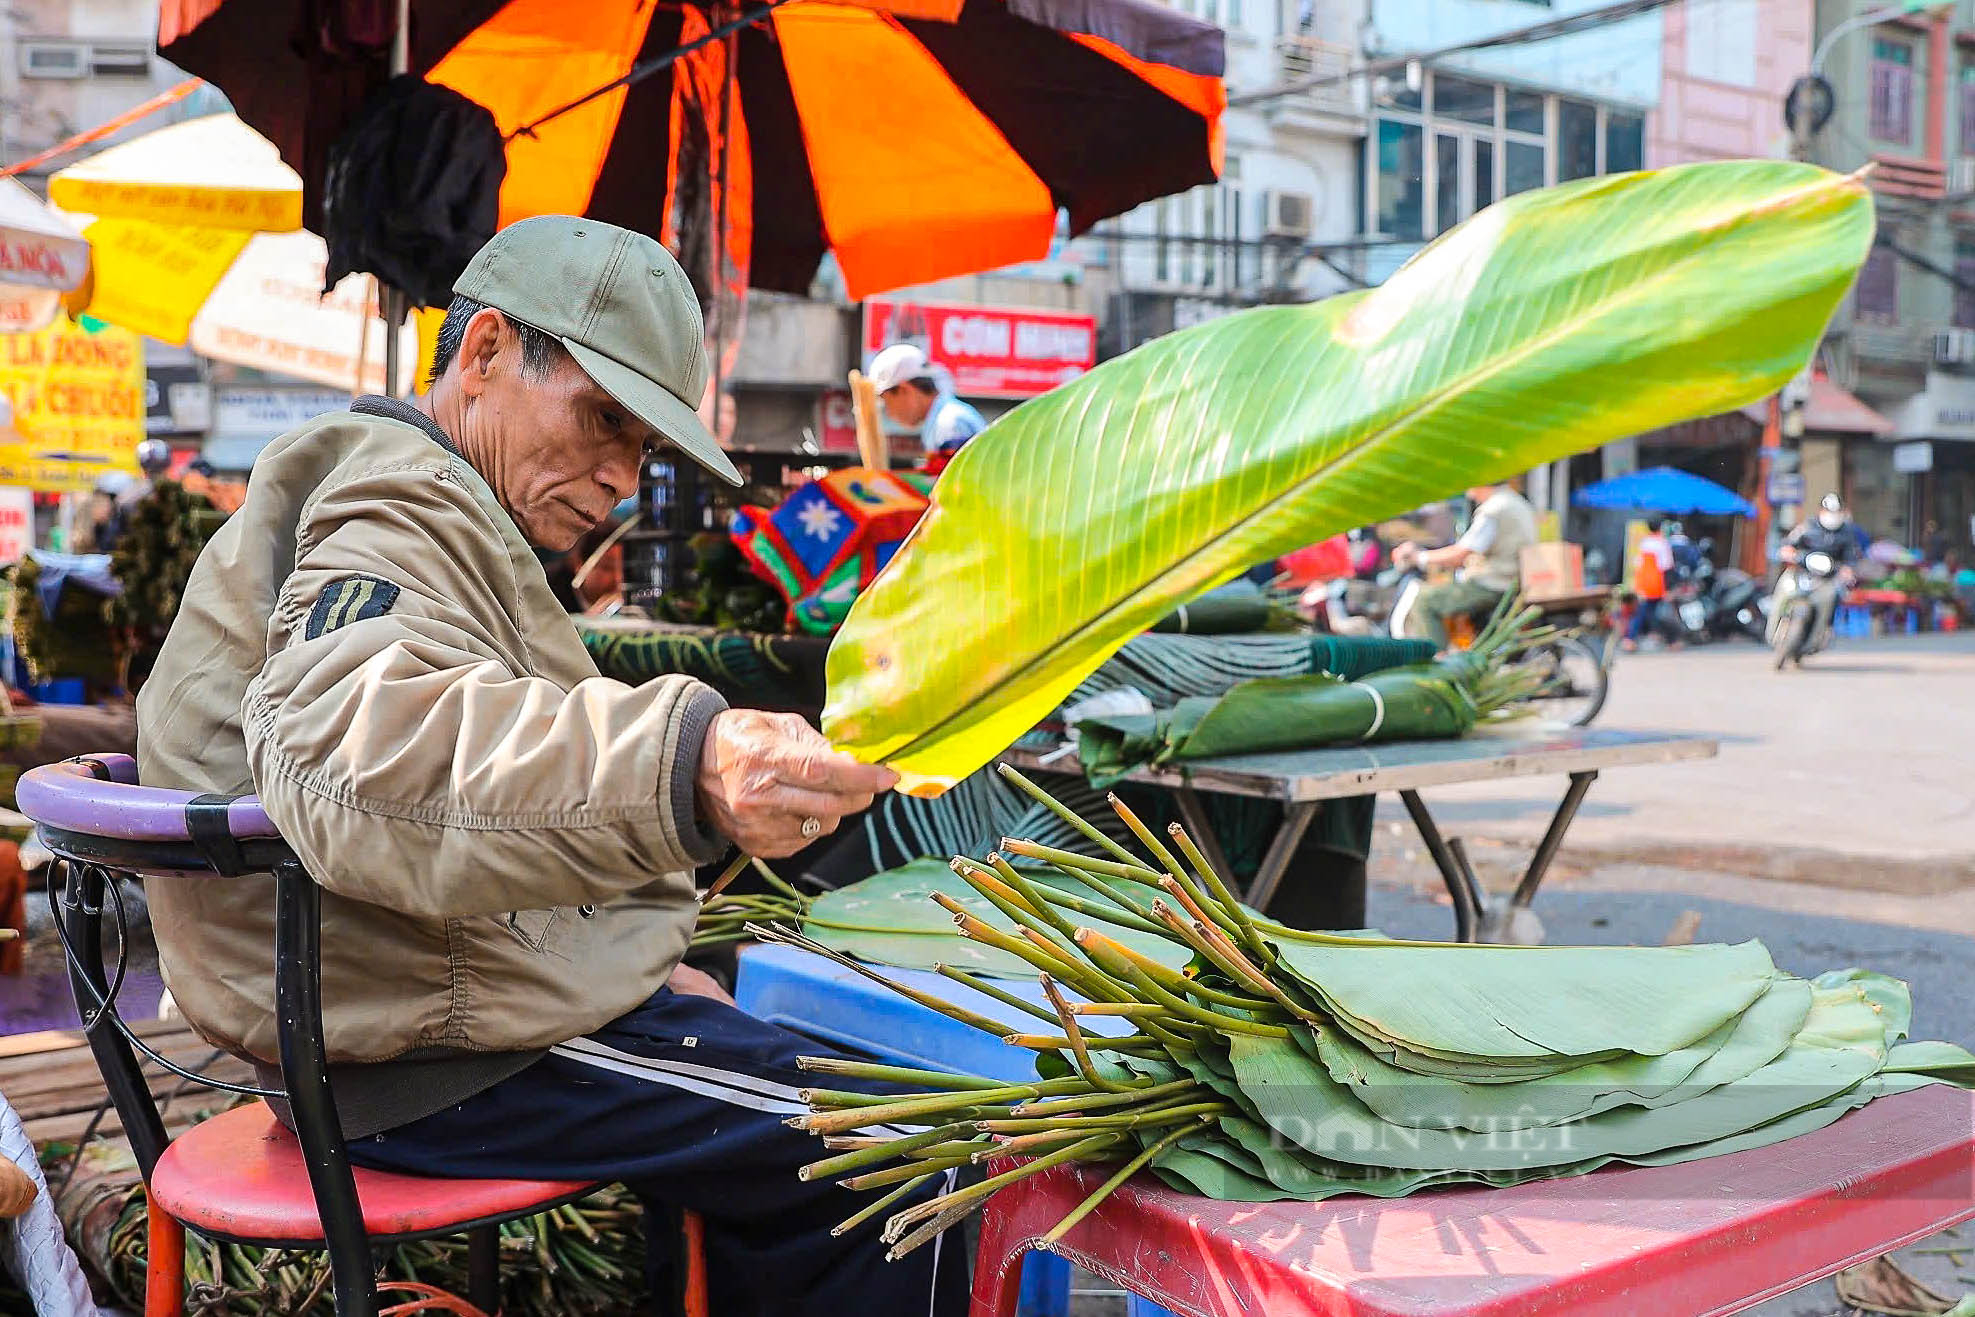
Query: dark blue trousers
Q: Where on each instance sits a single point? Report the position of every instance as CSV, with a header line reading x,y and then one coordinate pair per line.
x,y
683,1100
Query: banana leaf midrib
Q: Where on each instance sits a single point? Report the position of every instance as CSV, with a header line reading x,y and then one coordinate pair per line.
x,y
1434,402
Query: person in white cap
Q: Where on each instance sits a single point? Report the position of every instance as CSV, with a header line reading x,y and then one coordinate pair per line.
x,y
914,399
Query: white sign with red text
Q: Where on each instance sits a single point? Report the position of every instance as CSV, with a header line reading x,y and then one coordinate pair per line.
x,y
988,351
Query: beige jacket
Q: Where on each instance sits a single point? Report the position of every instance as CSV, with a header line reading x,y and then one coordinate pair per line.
x,y
504,838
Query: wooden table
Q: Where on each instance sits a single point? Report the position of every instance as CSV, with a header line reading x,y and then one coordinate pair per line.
x,y
1303,779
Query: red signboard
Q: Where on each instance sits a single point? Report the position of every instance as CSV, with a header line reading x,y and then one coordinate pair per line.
x,y
837,421
988,351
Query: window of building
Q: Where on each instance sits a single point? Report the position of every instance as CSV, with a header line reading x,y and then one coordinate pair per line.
x,y
1964,293
1458,98
1401,181
1577,140
1523,111
1390,92
1448,206
1877,296
1524,168
1966,105
1475,142
1625,142
1891,113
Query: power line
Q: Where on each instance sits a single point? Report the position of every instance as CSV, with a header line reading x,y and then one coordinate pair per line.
x,y
1915,259
1544,31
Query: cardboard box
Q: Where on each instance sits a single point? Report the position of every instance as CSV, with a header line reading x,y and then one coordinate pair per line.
x,y
1552,570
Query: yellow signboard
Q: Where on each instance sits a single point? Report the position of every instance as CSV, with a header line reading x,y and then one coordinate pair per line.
x,y
77,400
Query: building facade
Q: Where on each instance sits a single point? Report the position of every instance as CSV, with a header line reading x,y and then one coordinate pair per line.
x,y
1905,341
1285,220
1726,66
1484,125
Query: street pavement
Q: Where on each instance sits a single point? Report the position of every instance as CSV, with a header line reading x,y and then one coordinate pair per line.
x,y
1852,772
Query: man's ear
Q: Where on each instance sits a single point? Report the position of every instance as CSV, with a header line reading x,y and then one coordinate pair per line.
x,y
478,348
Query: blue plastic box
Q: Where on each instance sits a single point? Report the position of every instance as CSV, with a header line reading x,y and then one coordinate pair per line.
x,y
812,996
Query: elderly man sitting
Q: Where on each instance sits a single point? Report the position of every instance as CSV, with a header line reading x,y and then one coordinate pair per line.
x,y
506,840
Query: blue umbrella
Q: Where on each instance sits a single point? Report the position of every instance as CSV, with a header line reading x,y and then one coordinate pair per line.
x,y
1663,489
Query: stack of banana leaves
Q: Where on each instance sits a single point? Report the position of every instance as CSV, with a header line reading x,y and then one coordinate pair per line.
x,y
1445,697
1259,1062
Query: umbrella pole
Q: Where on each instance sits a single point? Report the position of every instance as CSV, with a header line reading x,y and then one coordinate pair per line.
x,y
391,302
720,227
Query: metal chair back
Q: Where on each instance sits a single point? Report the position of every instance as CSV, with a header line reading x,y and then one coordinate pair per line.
x,y
101,825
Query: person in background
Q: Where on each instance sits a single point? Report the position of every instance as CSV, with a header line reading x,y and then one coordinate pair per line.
x,y
1681,549
1934,543
913,398
1649,572
1488,554
96,529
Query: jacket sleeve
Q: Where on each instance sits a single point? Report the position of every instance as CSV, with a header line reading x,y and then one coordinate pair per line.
x,y
411,768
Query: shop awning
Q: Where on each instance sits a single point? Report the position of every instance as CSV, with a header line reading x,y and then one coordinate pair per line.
x,y
1830,410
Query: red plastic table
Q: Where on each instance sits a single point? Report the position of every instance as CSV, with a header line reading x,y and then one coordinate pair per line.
x,y
1712,1236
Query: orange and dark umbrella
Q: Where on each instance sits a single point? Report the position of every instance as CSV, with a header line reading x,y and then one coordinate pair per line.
x,y
913,147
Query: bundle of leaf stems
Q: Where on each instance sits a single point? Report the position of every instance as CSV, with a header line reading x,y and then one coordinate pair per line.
x,y
727,916
1097,1098
1487,670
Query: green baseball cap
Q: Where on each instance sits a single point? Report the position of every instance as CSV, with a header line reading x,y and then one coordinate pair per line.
x,y
620,304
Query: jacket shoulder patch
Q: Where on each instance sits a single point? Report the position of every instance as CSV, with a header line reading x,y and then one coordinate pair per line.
x,y
351,599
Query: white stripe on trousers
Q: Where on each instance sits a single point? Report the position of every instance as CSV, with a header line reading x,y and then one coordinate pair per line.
x,y
732,1078
658,1073
737,1088
732,1086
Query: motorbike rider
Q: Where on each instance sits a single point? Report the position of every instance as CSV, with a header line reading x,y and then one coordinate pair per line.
x,y
1831,533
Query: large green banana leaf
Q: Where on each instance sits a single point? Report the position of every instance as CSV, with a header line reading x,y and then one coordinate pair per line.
x,y
1842,1043
1546,325
1534,1003
1729,1054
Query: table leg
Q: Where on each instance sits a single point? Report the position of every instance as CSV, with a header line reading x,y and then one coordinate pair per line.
x,y
1197,825
1553,839
1282,848
1467,910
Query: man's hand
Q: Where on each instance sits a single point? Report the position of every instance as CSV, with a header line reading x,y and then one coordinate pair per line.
x,y
762,774
697,983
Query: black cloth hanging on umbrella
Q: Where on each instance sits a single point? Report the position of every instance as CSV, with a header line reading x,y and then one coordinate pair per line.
x,y
413,189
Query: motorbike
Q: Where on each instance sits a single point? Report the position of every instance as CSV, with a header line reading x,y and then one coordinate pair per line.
x,y
1704,603
1738,605
1806,596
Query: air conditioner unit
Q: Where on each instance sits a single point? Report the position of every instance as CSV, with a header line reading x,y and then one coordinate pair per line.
x,y
1961,176
1286,214
1954,347
120,61
54,59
